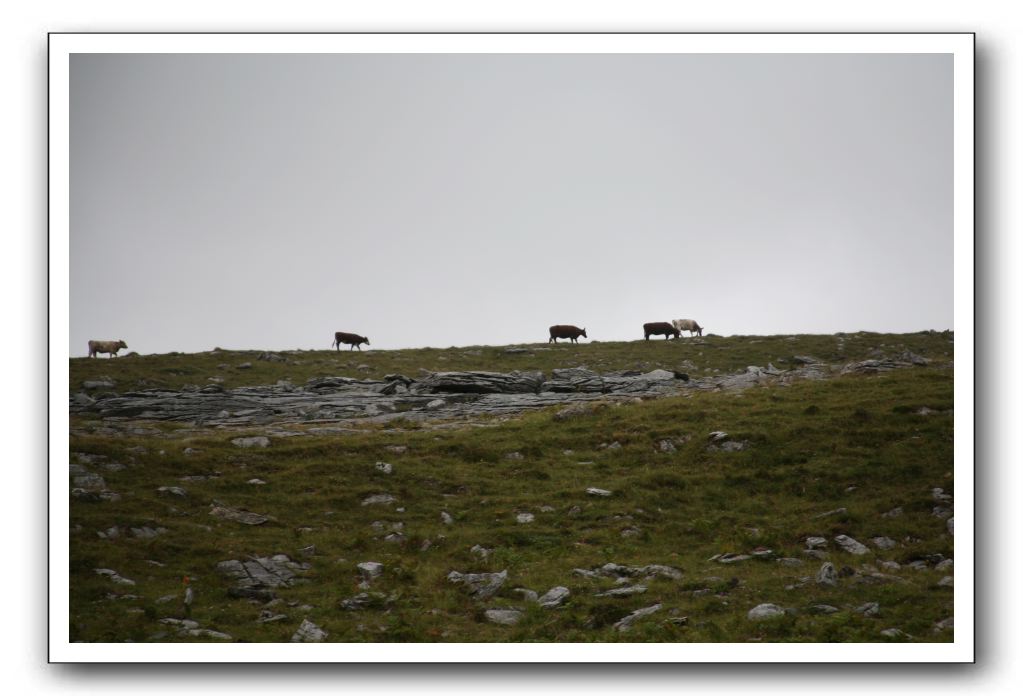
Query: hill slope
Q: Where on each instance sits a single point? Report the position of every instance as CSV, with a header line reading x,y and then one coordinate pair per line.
x,y
677,509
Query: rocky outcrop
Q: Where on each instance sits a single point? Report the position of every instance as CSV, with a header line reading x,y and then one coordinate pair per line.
x,y
465,395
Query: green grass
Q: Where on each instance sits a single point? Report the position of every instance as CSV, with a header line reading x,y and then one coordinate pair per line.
x,y
861,447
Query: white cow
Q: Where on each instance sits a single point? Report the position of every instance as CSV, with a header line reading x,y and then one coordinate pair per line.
x,y
688,325
110,347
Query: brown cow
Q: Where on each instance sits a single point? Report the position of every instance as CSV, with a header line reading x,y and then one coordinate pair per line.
x,y
566,331
349,339
110,347
658,328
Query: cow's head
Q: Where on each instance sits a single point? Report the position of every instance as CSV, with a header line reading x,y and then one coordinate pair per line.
x,y
584,334
121,344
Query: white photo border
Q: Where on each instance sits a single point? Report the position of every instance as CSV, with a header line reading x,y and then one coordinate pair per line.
x,y
63,45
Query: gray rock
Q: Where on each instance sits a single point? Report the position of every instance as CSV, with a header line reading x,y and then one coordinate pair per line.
x,y
945,565
850,545
524,517
894,512
396,538
396,449
765,611
481,585
257,577
514,456
113,576
147,532
729,558
946,581
172,491
446,518
267,616
364,600
379,499
435,404
371,569
256,482
895,633
827,575
944,624
98,384
942,512
623,591
950,526
821,609
90,482
598,492
480,551
83,400
526,594
831,513
889,565
94,496
554,597
792,562
242,516
883,543
383,467
815,542
506,617
939,494
870,609
257,441
626,623
309,632
666,446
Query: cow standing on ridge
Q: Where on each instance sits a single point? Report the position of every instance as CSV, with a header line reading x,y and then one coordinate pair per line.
x,y
689,325
660,328
566,331
110,347
349,339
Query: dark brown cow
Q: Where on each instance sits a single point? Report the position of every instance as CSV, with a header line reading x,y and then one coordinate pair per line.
x,y
349,339
566,331
658,328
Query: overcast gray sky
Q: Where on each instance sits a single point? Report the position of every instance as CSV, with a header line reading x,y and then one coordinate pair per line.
x,y
266,201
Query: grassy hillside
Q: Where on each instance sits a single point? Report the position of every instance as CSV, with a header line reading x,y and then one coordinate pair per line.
x,y
863,445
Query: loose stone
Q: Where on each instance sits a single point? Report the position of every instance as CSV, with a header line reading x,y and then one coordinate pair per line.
x,y
764,611
258,441
851,545
506,617
626,623
309,632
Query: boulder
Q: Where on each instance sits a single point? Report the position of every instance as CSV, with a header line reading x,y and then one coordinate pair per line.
x,y
765,611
